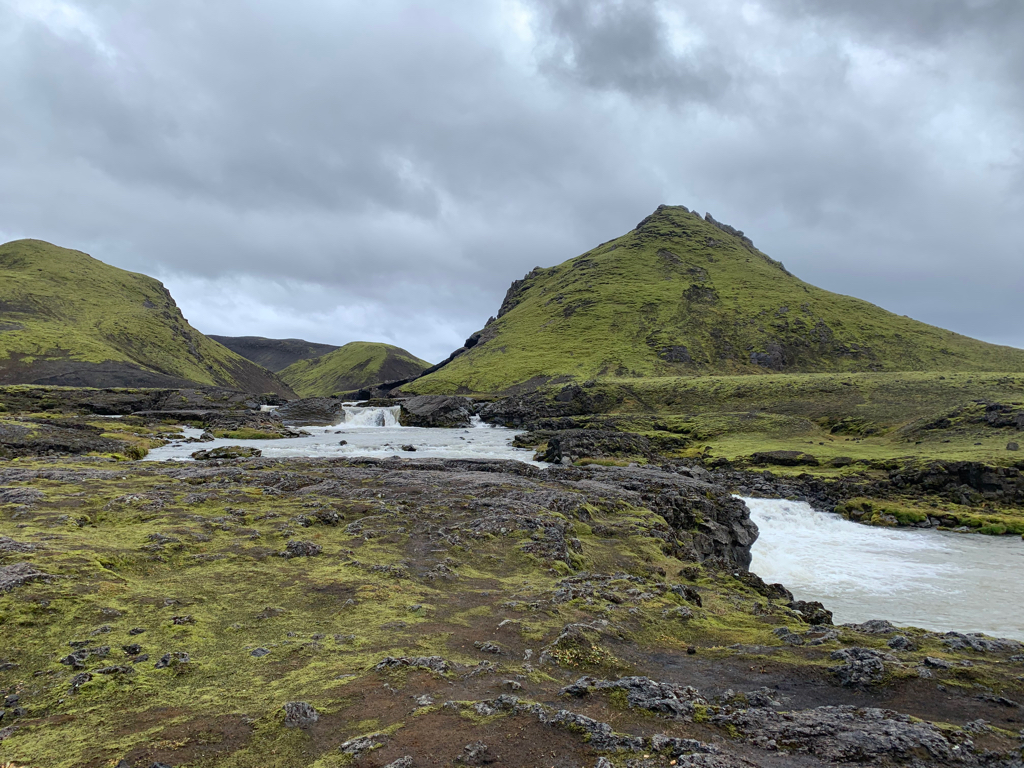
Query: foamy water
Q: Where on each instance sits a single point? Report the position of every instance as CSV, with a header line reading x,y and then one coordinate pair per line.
x,y
371,432
931,579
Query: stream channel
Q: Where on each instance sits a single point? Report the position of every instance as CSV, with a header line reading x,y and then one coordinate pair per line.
x,y
930,579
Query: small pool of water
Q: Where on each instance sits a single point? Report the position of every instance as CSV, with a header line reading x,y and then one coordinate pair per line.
x,y
931,579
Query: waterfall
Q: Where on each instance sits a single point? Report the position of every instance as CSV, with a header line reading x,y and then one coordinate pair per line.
x,y
358,416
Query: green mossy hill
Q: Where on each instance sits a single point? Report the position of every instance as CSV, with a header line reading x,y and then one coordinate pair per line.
x,y
273,354
683,295
69,319
356,365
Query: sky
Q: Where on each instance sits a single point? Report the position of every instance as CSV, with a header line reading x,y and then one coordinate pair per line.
x,y
337,170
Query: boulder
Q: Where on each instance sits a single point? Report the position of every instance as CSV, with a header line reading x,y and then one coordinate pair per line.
x,y
312,411
569,445
227,452
299,714
785,458
436,411
812,611
1013,446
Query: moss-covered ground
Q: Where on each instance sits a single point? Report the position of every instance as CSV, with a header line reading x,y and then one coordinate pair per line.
x,y
858,426
148,562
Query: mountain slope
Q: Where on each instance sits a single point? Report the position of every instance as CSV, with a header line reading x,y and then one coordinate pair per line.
x,y
685,295
273,354
356,365
69,319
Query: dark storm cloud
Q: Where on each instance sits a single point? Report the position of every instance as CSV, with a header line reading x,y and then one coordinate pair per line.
x,y
352,170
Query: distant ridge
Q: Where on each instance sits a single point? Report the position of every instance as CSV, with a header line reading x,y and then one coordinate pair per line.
x,y
357,365
683,294
69,319
273,354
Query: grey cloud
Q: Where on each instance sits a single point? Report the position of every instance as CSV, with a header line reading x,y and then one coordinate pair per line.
x,y
625,46
386,169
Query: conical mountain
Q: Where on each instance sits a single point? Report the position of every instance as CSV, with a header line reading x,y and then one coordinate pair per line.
x,y
356,365
69,319
685,295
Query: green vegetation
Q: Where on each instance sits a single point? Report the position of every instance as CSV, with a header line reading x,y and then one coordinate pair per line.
x,y
273,354
66,318
247,434
354,366
679,296
871,418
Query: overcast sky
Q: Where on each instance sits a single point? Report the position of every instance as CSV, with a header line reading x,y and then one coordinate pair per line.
x,y
338,170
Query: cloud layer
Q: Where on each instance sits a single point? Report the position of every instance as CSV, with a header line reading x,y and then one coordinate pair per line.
x,y
342,170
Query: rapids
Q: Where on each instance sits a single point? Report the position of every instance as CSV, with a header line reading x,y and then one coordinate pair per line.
x,y
931,579
371,432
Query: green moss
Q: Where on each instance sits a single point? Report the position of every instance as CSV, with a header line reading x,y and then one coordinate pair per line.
x,y
65,306
246,434
356,365
679,296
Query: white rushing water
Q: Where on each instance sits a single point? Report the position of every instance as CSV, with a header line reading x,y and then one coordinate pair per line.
x,y
932,579
371,432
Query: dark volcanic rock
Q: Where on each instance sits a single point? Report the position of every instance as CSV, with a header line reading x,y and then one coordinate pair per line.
x,y
12,576
313,411
784,458
299,714
436,411
227,452
862,666
296,548
812,611
570,445
844,734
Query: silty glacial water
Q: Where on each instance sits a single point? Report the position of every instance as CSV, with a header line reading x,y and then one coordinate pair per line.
x,y
371,432
932,579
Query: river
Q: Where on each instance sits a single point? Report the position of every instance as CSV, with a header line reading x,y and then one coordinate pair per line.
x,y
370,432
932,579
936,580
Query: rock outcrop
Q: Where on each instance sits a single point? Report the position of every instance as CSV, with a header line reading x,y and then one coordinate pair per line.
x,y
436,411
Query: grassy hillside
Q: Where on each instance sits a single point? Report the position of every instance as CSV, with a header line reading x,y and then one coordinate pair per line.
x,y
870,416
681,296
273,354
69,319
356,365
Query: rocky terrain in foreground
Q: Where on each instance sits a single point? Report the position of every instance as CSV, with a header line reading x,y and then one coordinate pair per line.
x,y
426,612
417,613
